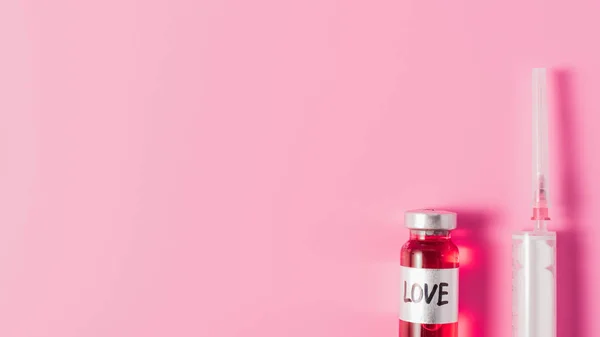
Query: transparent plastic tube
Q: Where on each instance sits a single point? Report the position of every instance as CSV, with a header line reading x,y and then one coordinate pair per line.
x,y
540,174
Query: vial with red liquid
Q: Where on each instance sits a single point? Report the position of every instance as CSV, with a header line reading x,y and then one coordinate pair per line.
x,y
429,276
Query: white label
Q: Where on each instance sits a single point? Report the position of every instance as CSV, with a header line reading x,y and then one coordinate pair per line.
x,y
428,296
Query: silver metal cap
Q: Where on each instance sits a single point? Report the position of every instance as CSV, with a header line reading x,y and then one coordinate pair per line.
x,y
430,219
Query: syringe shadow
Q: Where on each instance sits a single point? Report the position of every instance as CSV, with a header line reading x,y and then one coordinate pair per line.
x,y
475,270
569,273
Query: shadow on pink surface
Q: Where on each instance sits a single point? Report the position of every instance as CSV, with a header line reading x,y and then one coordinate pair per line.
x,y
569,273
472,239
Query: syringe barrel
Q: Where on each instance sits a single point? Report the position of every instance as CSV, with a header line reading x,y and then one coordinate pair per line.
x,y
534,284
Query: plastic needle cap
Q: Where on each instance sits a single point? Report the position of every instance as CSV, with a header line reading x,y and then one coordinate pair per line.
x,y
541,191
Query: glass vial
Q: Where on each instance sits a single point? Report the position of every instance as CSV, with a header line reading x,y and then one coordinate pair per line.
x,y
429,276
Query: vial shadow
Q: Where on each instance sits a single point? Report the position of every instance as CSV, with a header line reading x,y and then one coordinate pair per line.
x,y
569,273
475,270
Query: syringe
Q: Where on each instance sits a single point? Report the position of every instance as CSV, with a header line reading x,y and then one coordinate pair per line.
x,y
534,251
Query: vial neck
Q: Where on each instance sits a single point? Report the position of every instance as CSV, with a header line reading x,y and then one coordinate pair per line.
x,y
421,234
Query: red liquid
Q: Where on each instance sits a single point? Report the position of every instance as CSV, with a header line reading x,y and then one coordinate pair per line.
x,y
429,251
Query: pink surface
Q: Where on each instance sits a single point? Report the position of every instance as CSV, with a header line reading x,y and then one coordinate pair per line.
x,y
240,168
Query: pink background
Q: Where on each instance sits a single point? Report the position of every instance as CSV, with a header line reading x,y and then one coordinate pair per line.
x,y
240,168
